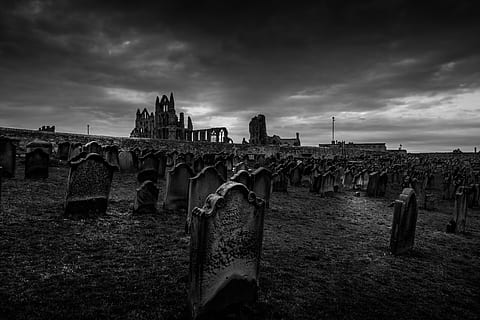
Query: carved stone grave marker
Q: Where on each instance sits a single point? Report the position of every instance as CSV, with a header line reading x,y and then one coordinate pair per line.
x,y
404,222
146,198
176,189
7,157
36,164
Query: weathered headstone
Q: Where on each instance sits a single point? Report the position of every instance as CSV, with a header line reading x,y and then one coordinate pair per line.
x,y
225,249
222,169
296,175
111,155
148,161
146,198
93,147
243,177
279,182
36,164
7,157
459,218
176,189
328,179
200,186
89,182
348,180
404,222
162,163
382,184
75,149
126,161
63,150
39,144
372,184
262,184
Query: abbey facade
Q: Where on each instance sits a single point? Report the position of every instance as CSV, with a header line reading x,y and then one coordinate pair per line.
x,y
165,124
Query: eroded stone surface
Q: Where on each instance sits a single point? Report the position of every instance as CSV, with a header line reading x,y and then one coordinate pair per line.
x,y
176,189
126,161
226,243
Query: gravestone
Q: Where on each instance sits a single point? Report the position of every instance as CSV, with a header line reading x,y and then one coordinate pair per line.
x,y
222,169
296,176
225,249
382,184
348,180
79,156
459,218
229,164
146,198
279,182
243,177
262,184
162,163
372,184
126,161
148,161
93,147
328,179
200,186
404,222
75,150
63,150
111,155
198,164
7,157
36,164
39,144
365,178
176,189
88,188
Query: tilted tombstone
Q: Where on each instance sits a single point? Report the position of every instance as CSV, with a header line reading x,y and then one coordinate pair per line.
x,y
36,164
404,222
459,218
89,182
243,177
225,249
372,184
146,198
200,186
111,155
198,164
176,189
222,169
63,150
93,147
7,157
262,184
75,149
126,161
46,146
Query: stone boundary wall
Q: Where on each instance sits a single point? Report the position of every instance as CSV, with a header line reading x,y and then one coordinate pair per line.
x,y
23,136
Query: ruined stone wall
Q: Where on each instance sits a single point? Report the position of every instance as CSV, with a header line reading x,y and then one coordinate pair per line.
x,y
23,136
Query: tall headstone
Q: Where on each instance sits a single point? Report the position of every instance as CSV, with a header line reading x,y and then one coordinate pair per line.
x,y
348,180
7,157
63,150
162,163
126,161
459,218
404,222
279,182
36,164
200,186
372,184
262,184
146,198
89,182
176,189
225,249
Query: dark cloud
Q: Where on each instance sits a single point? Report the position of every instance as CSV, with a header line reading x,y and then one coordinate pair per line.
x,y
369,63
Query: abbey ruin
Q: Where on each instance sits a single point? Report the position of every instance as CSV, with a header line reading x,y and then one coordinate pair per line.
x,y
165,124
258,134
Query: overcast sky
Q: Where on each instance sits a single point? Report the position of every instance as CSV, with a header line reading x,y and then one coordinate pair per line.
x,y
400,72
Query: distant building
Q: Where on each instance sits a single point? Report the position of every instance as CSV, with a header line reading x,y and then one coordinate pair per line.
x,y
258,134
380,146
47,128
165,124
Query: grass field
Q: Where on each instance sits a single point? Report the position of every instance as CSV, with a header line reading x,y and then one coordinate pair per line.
x,y
322,258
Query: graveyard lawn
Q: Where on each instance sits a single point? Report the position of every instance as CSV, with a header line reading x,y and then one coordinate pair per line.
x,y
322,258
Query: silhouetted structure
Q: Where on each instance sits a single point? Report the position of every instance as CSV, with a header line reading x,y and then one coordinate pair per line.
x,y
258,134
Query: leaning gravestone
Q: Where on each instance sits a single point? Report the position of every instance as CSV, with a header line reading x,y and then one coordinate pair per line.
x,y
225,248
404,222
88,188
200,186
176,189
459,218
146,198
7,157
36,164
126,161
243,177
262,184
63,149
